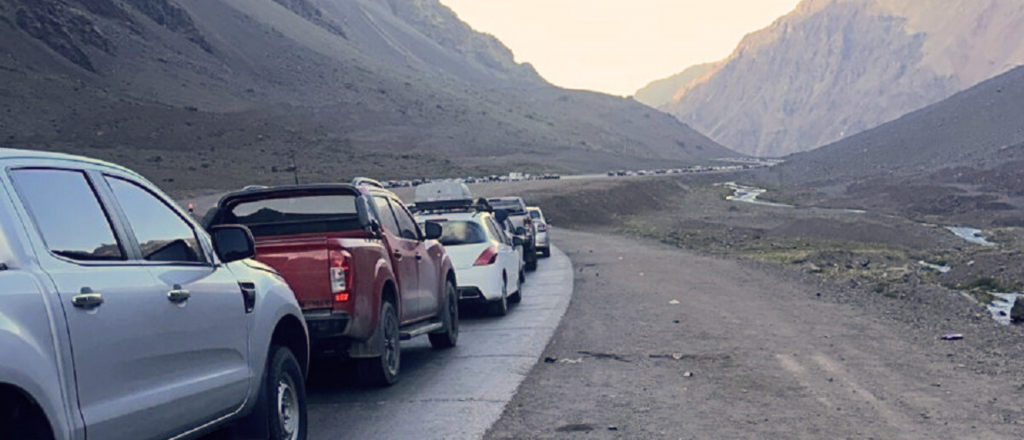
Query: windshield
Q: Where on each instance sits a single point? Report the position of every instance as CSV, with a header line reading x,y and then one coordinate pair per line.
x,y
458,233
296,215
513,206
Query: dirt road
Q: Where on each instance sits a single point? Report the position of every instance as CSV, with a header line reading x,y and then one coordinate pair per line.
x,y
663,344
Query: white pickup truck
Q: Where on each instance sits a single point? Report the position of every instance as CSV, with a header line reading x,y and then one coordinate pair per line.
x,y
121,319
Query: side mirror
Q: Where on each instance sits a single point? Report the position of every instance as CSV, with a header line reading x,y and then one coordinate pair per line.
x,y
501,215
517,241
233,243
520,231
432,230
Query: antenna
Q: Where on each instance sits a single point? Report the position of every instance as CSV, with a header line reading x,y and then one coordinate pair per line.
x,y
295,168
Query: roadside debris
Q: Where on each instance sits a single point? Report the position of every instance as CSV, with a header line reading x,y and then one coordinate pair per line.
x,y
952,337
687,374
613,428
677,356
935,267
674,302
1006,308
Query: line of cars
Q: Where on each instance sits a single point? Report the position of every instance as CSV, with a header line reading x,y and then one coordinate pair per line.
x,y
122,317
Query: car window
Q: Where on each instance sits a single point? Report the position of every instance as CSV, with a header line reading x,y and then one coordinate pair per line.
x,y
68,214
296,215
387,217
161,233
460,232
535,214
497,232
406,223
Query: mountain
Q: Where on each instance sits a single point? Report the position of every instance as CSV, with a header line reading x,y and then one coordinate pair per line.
x,y
663,91
833,68
221,93
964,155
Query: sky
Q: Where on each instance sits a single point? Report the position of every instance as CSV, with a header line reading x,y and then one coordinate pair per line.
x,y
618,46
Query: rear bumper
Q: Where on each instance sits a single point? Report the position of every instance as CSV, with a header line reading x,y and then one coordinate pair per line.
x,y
480,284
327,325
542,240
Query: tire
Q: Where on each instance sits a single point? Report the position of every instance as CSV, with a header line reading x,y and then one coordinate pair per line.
x,y
522,277
546,252
286,396
450,316
21,419
532,264
382,371
500,307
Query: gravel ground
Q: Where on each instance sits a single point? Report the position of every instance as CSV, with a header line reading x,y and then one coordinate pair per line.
x,y
663,344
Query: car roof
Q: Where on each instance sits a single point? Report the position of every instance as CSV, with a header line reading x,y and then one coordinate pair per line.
x,y
13,153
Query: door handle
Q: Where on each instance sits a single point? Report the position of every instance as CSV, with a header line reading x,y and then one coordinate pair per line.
x,y
419,257
178,296
398,256
87,301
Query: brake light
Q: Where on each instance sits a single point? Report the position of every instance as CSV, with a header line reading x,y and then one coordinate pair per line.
x,y
487,258
541,227
340,274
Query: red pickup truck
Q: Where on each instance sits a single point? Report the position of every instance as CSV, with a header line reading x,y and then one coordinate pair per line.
x,y
363,272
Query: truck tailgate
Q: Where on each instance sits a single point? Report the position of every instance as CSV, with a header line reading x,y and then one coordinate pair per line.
x,y
303,262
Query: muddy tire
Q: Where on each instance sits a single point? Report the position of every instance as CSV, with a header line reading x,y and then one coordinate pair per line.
x,y
450,317
382,371
286,396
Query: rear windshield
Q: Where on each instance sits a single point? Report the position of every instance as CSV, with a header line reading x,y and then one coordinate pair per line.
x,y
535,214
458,233
513,206
296,215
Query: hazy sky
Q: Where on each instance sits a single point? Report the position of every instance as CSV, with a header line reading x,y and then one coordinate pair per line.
x,y
618,46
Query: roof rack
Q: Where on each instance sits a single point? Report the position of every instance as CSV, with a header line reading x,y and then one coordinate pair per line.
x,y
459,205
365,181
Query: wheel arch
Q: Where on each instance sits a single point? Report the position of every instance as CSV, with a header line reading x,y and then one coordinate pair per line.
x,y
11,395
290,333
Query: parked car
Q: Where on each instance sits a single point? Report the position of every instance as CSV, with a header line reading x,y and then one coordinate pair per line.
x,y
364,273
488,263
515,207
540,228
121,318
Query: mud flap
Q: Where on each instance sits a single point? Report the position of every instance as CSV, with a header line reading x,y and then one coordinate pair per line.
x,y
369,348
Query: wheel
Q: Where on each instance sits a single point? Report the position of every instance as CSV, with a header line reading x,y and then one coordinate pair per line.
x,y
382,371
546,252
20,419
500,306
286,396
522,277
450,316
532,264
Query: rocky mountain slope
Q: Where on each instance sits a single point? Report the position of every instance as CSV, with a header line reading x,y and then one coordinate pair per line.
x,y
663,91
833,68
220,93
963,156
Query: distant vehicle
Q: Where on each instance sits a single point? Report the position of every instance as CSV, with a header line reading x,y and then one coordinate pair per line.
x,y
540,227
515,207
488,263
363,271
121,318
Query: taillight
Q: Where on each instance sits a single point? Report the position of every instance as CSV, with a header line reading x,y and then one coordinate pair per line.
x,y
487,258
341,274
541,227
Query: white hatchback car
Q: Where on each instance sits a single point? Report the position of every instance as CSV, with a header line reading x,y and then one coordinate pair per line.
x,y
488,263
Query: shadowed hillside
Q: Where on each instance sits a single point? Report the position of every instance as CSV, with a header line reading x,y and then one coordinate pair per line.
x,y
221,93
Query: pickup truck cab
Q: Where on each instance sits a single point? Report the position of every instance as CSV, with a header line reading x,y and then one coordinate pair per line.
x,y
364,273
121,318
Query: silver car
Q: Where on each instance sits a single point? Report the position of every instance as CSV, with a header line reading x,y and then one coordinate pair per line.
x,y
541,231
120,318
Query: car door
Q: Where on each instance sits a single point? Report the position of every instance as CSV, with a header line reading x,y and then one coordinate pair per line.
x,y
403,258
127,376
429,284
206,337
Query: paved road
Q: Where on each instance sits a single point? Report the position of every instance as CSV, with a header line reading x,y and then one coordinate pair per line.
x,y
453,394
